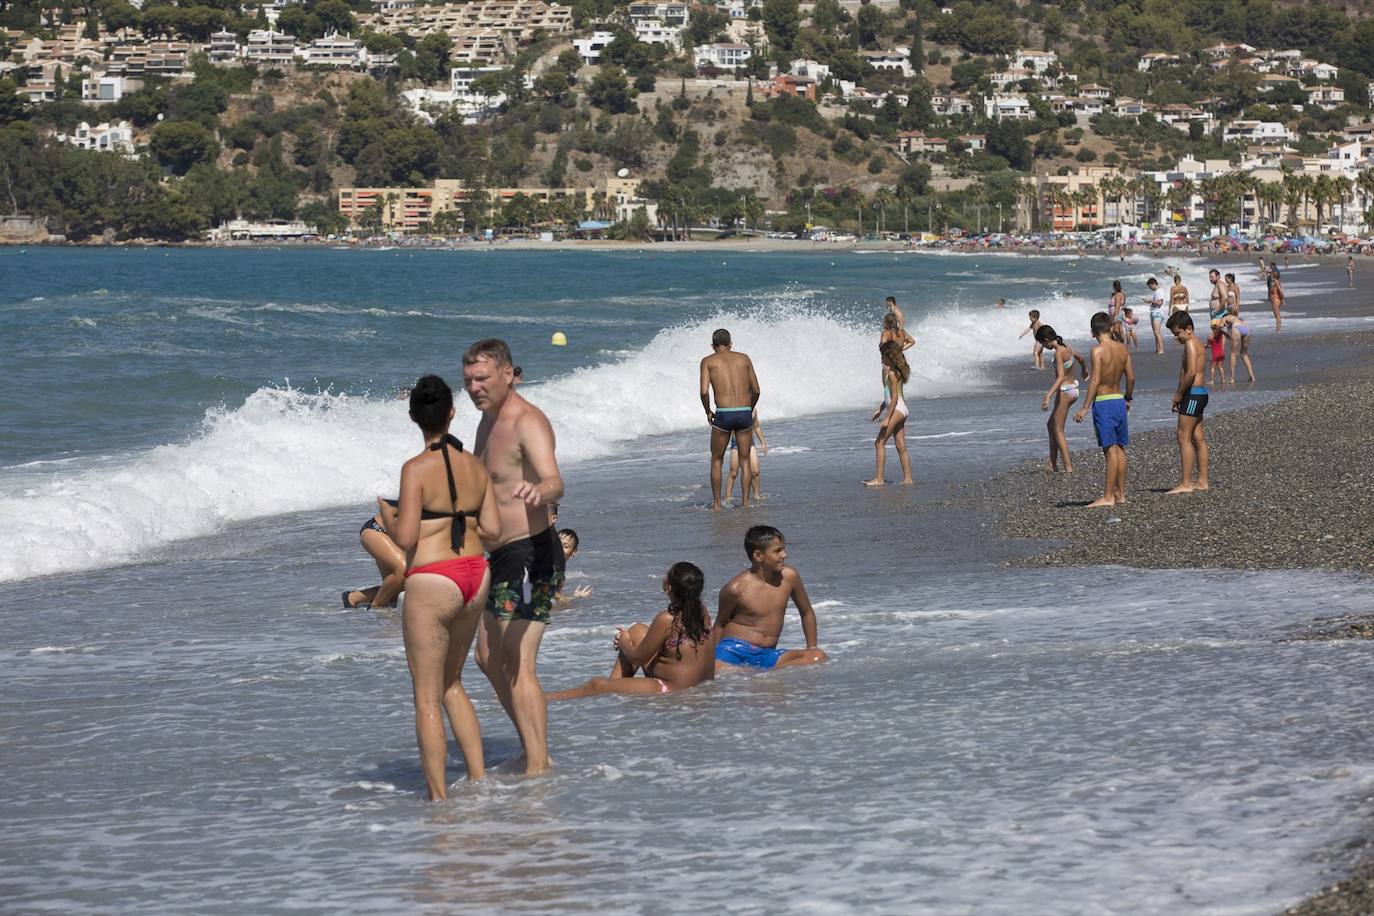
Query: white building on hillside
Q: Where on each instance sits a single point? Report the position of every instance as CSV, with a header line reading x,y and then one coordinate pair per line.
x,y
1038,62
1009,108
1261,132
103,90
334,51
267,48
657,32
590,48
722,56
106,138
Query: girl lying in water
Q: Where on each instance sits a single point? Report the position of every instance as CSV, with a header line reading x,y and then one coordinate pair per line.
x,y
675,650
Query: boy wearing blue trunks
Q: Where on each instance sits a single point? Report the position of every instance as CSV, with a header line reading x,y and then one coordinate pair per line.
x,y
730,377
1109,404
1190,401
753,605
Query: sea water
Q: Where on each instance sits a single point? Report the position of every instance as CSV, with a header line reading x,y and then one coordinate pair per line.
x,y
189,441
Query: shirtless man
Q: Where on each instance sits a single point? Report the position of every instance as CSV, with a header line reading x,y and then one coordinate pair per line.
x,y
897,313
1109,404
516,443
752,606
1190,400
1216,305
731,377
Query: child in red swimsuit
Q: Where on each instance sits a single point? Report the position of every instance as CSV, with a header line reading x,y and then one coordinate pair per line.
x,y
1217,344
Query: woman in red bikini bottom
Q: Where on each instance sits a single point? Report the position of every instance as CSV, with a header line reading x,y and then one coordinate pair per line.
x,y
447,508
674,650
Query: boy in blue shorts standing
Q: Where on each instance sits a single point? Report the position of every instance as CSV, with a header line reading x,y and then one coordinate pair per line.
x,y
1109,404
753,604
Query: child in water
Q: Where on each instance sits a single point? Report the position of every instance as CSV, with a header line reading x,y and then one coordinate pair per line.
x,y
1038,352
675,651
1217,344
1128,323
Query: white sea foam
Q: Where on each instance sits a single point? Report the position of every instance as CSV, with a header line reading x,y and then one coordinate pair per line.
x,y
285,450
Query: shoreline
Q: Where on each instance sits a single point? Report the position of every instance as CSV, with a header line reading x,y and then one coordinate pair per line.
x,y
1297,504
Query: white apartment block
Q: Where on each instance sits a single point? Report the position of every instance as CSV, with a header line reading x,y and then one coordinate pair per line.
x,y
1263,133
333,51
657,32
1154,59
666,13
898,59
223,48
104,90
1327,98
816,70
267,48
1038,62
1009,108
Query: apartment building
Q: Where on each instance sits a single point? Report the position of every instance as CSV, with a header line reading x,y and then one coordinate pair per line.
x,y
412,209
722,56
105,138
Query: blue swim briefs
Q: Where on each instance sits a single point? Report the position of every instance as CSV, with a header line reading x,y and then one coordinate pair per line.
x,y
1109,421
734,419
738,652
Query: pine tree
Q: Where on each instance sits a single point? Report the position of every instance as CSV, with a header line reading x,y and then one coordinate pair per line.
x,y
749,95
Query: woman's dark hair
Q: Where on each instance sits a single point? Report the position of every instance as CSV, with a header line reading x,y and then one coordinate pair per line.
x,y
430,402
1046,334
893,358
1230,278
1116,286
685,584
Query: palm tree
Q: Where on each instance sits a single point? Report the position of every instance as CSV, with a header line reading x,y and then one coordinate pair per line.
x,y
1028,193
1366,185
1294,195
1320,192
1269,198
1085,197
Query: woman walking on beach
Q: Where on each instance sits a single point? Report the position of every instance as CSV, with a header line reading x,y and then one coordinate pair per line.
x,y
1178,296
1276,297
895,375
447,508
1064,390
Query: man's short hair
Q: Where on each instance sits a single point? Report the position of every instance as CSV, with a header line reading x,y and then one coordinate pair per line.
x,y
891,300
1178,321
1101,323
1152,282
1214,271
721,338
760,537
492,349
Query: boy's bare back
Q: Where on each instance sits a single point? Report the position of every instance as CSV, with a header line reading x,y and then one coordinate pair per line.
x,y
1111,360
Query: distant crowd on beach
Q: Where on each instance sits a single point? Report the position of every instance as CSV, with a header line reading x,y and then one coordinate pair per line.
x,y
472,539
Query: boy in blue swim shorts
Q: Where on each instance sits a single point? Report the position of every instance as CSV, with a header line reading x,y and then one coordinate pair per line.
x,y
753,605
1109,405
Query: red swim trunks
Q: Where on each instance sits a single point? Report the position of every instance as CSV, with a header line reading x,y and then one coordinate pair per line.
x,y
464,572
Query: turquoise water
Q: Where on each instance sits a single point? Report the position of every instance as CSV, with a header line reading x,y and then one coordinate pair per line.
x,y
190,439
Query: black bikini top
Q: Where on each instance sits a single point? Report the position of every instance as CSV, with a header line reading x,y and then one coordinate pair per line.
x,y
460,519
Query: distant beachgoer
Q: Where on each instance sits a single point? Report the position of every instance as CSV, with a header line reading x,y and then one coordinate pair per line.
x,y
1350,271
730,377
1110,406
1217,344
892,309
391,564
753,462
1276,298
752,606
1239,335
1064,390
1156,303
1190,402
1128,323
1037,351
1116,305
568,538
516,443
1216,304
447,508
893,329
896,372
1001,302
1232,293
675,651
519,375
1179,299
1263,269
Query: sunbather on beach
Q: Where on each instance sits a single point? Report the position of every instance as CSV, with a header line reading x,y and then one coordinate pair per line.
x,y
753,604
674,651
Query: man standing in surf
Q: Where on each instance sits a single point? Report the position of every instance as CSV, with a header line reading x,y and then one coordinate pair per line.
x,y
730,376
515,441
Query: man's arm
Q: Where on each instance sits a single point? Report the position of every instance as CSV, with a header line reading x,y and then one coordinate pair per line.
x,y
1130,378
706,392
727,605
907,340
805,610
537,444
754,390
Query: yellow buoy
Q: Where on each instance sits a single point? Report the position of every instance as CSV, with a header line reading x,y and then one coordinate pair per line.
x,y
559,339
